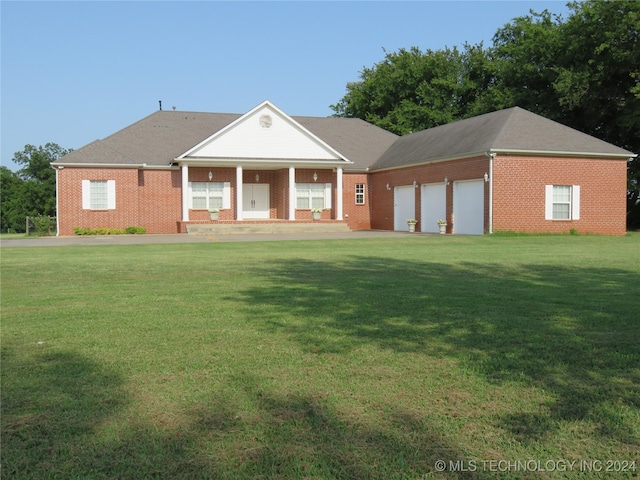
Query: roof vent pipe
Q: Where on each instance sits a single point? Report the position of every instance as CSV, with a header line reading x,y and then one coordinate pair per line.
x,y
160,102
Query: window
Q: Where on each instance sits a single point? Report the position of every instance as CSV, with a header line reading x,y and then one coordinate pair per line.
x,y
313,195
359,193
98,194
562,202
206,195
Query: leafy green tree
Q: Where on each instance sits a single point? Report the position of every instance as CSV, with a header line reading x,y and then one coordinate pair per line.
x,y
525,56
412,90
583,72
31,191
11,201
599,79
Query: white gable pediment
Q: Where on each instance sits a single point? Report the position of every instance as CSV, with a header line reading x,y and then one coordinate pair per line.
x,y
264,133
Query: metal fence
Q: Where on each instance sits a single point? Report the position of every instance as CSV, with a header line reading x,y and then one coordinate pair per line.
x,y
42,225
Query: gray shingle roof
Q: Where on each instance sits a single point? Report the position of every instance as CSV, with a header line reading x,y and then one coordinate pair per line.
x,y
159,138
510,130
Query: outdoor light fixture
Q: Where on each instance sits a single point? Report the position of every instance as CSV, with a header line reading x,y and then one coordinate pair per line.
x,y
388,187
446,180
315,176
210,175
486,177
415,184
257,178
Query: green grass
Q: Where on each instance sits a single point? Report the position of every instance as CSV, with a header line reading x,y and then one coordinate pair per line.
x,y
13,236
336,359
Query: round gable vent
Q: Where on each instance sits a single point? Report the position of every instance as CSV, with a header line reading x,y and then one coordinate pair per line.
x,y
265,121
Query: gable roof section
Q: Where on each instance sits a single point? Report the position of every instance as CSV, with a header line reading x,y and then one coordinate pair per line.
x,y
264,135
513,130
158,139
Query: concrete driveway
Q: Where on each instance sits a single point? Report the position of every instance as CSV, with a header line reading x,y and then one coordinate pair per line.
x,y
184,238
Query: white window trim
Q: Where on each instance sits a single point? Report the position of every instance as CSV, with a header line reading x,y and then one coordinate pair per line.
x,y
327,196
86,195
226,195
364,197
574,208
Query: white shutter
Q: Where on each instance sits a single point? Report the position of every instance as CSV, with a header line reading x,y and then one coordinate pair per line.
x,y
226,195
575,202
327,195
548,202
111,194
86,194
189,197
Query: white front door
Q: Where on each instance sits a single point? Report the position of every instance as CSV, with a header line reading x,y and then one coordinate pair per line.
x,y
433,206
404,207
255,200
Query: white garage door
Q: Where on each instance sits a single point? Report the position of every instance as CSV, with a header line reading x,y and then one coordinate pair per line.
x,y
433,206
468,207
404,207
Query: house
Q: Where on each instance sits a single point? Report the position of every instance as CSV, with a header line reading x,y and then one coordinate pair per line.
x,y
506,170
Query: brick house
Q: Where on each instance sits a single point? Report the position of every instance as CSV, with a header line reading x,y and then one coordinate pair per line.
x,y
506,170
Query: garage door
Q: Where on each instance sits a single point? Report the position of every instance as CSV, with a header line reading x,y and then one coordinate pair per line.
x,y
404,207
433,206
468,207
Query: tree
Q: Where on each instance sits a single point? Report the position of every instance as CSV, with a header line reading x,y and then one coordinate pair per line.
x,y
412,90
525,53
31,191
583,72
599,80
11,201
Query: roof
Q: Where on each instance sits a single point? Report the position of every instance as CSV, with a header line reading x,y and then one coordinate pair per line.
x,y
159,138
512,130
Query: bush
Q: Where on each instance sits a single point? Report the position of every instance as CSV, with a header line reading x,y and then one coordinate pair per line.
x,y
109,231
43,224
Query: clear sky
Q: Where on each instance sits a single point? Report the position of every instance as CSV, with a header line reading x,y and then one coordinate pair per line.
x,y
73,72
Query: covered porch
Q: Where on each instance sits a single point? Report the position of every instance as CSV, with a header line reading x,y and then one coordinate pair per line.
x,y
253,194
263,167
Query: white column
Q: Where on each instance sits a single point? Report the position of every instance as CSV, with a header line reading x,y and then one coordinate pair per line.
x,y
292,193
339,194
57,203
239,206
185,192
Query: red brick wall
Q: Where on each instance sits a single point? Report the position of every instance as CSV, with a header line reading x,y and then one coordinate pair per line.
x,y
70,212
454,170
153,198
159,200
519,193
358,217
201,174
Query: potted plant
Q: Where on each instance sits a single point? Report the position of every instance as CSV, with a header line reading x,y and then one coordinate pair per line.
x,y
316,213
214,213
442,225
412,224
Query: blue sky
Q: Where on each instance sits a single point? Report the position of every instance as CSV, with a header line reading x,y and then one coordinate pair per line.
x,y
73,72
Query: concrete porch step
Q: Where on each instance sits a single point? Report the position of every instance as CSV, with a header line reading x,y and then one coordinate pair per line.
x,y
266,228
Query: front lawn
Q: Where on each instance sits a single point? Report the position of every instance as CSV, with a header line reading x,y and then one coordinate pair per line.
x,y
502,357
